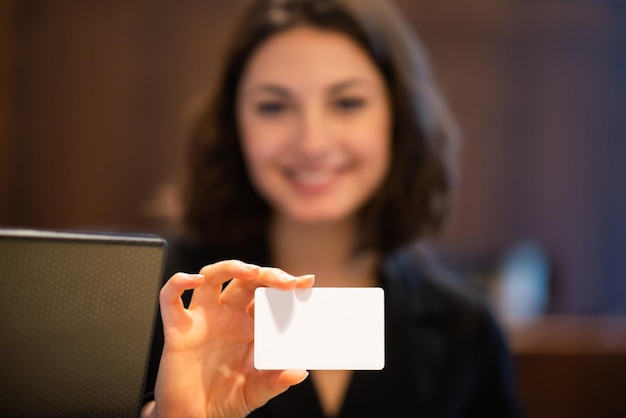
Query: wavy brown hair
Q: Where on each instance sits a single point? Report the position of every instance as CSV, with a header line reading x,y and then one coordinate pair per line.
x,y
220,203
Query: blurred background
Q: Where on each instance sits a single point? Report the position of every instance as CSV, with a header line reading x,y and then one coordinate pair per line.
x,y
96,98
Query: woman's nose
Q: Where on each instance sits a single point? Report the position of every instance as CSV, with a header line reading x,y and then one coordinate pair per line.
x,y
313,138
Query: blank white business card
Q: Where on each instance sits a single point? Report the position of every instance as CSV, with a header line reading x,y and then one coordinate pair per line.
x,y
319,329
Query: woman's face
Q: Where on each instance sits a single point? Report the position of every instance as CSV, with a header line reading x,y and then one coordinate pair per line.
x,y
315,122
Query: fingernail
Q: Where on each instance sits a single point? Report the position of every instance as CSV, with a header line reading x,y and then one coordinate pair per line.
x,y
305,374
286,277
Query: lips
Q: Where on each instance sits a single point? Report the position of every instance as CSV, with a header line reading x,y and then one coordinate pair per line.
x,y
314,180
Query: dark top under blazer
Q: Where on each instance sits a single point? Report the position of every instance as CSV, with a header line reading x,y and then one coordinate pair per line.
x,y
445,355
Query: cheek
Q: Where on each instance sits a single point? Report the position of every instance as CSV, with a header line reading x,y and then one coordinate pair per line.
x,y
261,147
253,141
380,157
382,145
378,153
256,157
372,140
263,140
256,160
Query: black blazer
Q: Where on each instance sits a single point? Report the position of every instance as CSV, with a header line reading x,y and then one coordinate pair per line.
x,y
445,355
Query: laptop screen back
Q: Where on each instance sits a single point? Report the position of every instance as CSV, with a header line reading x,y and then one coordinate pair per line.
x,y
77,312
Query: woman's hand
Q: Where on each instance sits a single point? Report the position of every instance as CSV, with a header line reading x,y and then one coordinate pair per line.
x,y
206,368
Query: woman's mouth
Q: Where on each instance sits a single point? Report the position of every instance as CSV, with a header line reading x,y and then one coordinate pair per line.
x,y
314,181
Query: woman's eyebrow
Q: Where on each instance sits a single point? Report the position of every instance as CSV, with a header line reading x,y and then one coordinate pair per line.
x,y
268,88
338,87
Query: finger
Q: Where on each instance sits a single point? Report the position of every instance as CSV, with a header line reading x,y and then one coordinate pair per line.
x,y
306,281
239,293
267,384
250,308
278,278
216,275
172,308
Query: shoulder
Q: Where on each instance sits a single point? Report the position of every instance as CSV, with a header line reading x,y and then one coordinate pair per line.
x,y
428,286
450,327
439,304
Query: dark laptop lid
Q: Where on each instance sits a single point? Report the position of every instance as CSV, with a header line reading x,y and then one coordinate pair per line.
x,y
77,312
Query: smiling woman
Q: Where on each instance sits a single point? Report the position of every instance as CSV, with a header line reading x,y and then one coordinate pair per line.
x,y
325,149
92,119
414,195
316,137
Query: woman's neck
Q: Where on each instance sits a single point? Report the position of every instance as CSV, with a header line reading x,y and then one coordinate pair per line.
x,y
323,249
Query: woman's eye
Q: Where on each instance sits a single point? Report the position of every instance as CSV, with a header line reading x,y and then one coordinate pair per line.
x,y
270,108
349,103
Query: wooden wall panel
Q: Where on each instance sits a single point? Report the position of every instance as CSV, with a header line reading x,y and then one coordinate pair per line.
x,y
96,99
7,76
101,94
100,110
538,88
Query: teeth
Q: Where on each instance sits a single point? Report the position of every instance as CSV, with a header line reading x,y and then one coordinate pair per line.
x,y
312,177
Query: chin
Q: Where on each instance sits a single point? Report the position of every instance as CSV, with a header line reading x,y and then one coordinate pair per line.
x,y
311,217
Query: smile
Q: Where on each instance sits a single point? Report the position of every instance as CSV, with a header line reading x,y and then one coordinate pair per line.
x,y
312,177
314,180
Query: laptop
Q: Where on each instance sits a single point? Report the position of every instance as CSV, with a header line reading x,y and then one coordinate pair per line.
x,y
77,311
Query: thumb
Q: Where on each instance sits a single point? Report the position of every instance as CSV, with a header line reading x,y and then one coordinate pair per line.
x,y
268,384
172,309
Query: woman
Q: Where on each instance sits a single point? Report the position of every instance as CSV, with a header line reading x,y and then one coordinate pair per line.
x,y
325,150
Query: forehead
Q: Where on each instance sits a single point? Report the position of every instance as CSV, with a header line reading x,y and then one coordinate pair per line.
x,y
307,57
